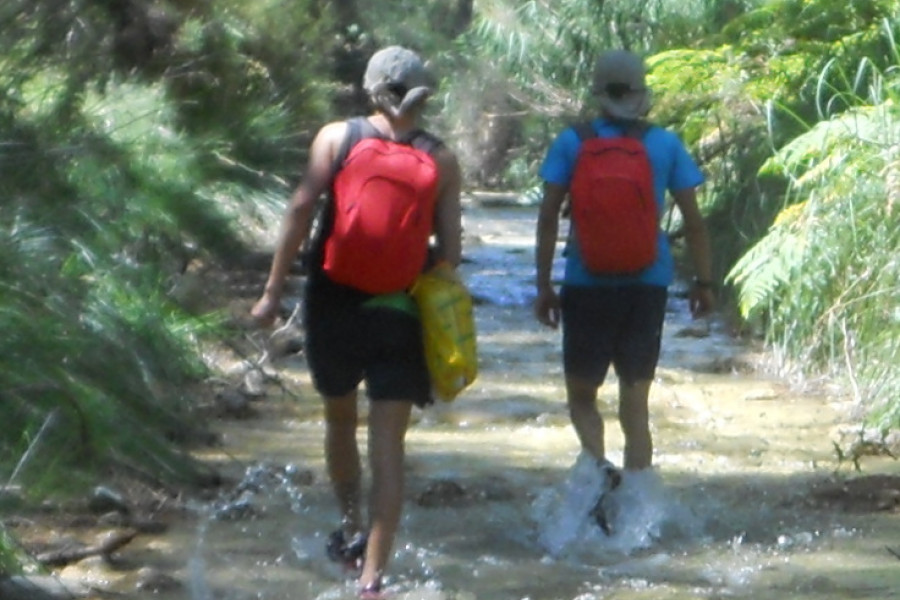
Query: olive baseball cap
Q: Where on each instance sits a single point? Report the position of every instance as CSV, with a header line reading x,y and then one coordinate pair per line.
x,y
620,85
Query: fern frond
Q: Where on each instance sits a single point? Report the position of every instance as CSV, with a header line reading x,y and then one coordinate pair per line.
x,y
768,266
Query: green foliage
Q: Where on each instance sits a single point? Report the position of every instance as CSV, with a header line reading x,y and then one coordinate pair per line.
x,y
549,48
104,201
12,558
790,43
826,277
244,80
94,359
767,267
690,85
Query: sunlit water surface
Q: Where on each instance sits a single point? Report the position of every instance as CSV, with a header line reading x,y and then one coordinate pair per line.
x,y
725,514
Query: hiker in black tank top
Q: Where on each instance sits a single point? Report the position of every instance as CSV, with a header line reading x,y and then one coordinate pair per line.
x,y
356,335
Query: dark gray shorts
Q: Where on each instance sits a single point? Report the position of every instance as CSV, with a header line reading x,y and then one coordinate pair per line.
x,y
348,343
621,326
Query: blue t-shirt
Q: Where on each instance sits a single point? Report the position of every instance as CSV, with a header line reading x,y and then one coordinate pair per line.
x,y
673,170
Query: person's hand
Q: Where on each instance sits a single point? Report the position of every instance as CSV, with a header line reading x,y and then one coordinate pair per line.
x,y
265,310
701,300
546,307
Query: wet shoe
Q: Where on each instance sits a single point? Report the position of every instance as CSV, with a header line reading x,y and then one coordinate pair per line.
x,y
577,506
600,513
371,591
348,552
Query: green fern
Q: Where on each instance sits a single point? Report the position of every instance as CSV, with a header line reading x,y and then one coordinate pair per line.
x,y
768,267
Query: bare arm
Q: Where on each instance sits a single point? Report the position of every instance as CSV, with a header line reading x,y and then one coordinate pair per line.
x,y
548,232
448,211
546,307
298,217
697,237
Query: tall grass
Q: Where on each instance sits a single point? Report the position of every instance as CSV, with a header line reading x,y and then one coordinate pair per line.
x,y
825,280
93,359
10,561
103,205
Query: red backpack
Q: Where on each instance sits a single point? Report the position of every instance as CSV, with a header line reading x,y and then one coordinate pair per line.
x,y
614,210
384,195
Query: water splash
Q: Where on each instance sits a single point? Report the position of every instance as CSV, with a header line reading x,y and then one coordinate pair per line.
x,y
640,513
563,515
197,585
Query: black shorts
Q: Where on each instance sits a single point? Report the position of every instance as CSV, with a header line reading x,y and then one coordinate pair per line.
x,y
621,326
348,343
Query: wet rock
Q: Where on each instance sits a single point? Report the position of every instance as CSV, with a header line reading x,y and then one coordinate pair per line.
x,y
119,520
104,499
860,494
298,476
233,403
15,521
447,492
443,492
105,545
698,332
236,510
149,526
254,384
153,580
113,519
726,365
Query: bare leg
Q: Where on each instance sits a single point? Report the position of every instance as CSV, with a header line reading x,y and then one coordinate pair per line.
x,y
388,422
582,401
634,416
342,457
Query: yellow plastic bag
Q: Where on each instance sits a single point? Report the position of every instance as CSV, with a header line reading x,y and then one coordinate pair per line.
x,y
448,324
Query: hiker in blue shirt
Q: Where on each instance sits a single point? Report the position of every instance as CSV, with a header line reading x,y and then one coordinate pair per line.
x,y
616,319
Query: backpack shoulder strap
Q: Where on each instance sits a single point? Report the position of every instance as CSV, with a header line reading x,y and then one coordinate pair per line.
x,y
422,140
585,130
358,129
637,129
631,129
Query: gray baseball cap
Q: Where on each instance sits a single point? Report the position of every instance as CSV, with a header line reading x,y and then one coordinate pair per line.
x,y
397,79
620,86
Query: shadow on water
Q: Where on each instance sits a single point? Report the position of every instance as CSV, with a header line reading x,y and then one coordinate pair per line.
x,y
743,502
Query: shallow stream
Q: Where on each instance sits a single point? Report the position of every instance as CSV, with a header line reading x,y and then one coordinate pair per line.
x,y
733,509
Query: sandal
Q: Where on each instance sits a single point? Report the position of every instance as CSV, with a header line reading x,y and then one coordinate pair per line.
x,y
371,591
350,553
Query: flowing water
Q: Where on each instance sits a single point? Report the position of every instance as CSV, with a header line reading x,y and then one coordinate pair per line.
x,y
730,511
